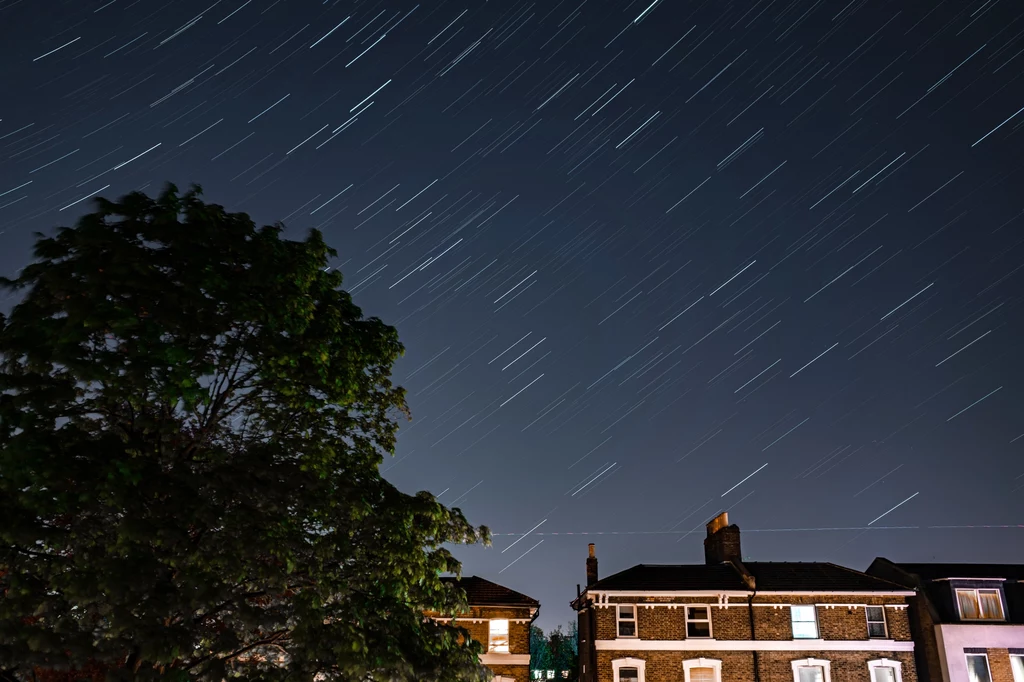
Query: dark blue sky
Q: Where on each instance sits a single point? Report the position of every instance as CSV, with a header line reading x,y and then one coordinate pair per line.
x,y
650,261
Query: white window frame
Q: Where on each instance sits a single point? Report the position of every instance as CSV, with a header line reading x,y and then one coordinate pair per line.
x,y
712,663
988,663
1016,678
490,636
686,618
885,621
885,663
634,620
817,625
826,667
638,663
977,596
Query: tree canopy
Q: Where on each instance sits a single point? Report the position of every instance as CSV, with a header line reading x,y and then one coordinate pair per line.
x,y
556,653
192,415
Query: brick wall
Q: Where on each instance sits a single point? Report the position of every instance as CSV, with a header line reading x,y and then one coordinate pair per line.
x,y
999,665
929,663
476,623
771,622
520,673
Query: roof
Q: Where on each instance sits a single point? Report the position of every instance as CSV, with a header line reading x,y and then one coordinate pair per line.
x,y
481,592
770,576
940,571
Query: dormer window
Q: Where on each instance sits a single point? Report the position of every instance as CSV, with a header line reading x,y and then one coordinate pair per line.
x,y
979,604
498,640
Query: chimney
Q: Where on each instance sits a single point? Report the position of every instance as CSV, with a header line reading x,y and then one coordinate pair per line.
x,y
723,541
591,566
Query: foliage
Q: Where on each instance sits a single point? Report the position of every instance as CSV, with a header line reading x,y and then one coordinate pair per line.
x,y
192,415
557,651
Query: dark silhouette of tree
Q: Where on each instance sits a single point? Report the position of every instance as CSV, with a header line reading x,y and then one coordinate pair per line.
x,y
192,415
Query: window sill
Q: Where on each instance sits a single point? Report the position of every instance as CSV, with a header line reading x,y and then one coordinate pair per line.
x,y
982,620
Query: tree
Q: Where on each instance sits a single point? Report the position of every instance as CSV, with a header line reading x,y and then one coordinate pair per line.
x,y
538,649
557,652
192,415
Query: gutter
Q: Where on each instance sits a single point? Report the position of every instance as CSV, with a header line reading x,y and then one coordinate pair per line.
x,y
751,583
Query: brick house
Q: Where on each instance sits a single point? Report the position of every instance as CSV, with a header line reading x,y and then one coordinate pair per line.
x,y
967,619
733,621
500,619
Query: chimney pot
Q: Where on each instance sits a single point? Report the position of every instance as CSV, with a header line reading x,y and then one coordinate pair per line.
x,y
591,565
723,541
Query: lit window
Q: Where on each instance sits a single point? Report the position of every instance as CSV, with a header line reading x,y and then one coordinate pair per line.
x,y
565,674
627,621
885,670
805,622
551,674
698,621
812,670
498,643
628,670
702,670
977,668
980,604
876,621
1017,665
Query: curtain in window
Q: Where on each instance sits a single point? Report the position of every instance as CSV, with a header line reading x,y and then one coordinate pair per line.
x,y
498,636
977,669
991,605
968,604
1017,663
702,675
811,674
883,674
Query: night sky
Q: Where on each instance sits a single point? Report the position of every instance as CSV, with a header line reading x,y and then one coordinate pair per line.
x,y
649,261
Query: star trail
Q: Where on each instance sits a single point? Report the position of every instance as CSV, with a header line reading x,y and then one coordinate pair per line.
x,y
639,253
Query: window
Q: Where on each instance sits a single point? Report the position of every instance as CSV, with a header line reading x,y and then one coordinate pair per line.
x,y
627,621
977,668
628,669
698,621
1017,665
980,604
876,622
498,643
812,670
702,670
885,670
805,622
